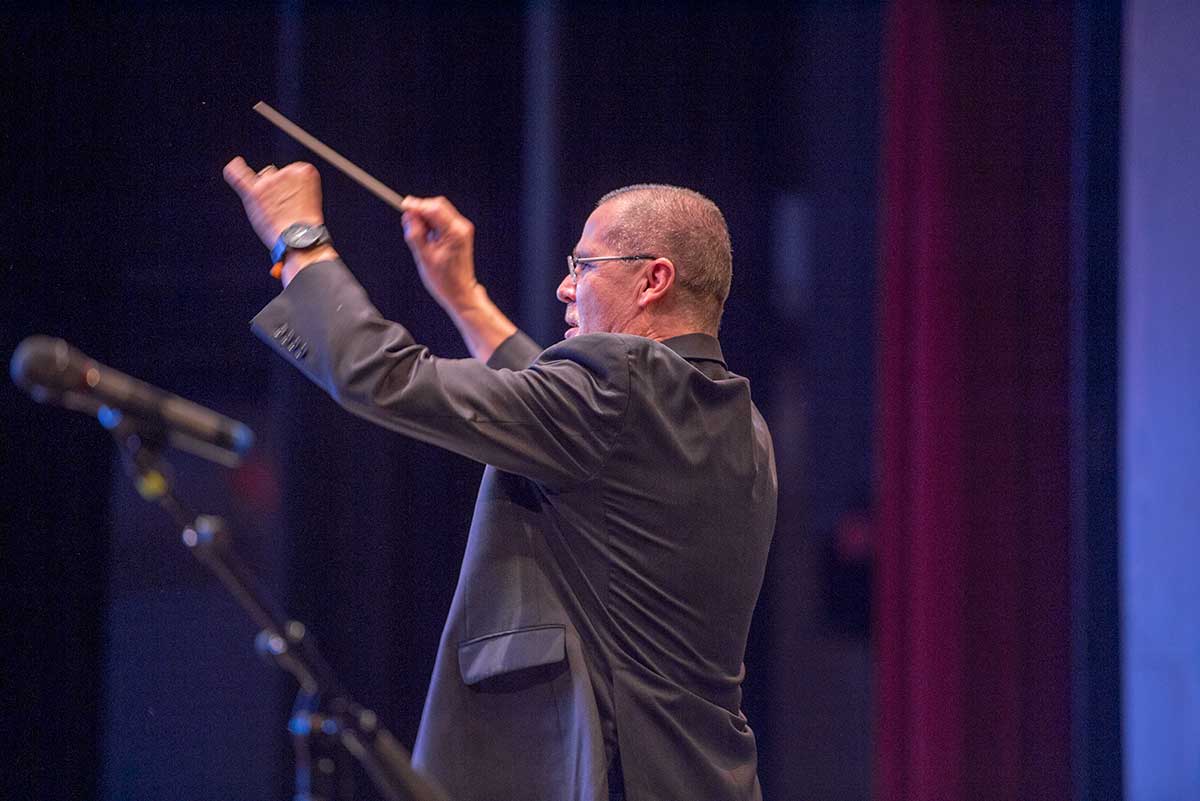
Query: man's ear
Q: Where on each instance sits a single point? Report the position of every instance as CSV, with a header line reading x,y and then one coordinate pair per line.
x,y
659,277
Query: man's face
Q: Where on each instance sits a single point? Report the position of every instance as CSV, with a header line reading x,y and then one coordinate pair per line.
x,y
604,297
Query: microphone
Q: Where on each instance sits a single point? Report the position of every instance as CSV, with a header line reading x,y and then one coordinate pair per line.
x,y
52,371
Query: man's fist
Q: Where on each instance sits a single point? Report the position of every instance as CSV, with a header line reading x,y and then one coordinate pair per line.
x,y
442,242
276,198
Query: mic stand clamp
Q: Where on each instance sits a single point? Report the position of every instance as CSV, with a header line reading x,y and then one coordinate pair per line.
x,y
322,770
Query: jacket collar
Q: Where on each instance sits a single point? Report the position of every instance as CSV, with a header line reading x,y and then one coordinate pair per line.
x,y
697,347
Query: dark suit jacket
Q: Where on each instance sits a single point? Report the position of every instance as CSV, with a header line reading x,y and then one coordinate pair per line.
x,y
616,553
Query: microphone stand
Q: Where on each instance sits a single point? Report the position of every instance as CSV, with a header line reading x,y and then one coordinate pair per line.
x,y
327,726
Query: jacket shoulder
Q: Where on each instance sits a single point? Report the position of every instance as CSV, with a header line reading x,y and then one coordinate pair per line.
x,y
602,344
596,352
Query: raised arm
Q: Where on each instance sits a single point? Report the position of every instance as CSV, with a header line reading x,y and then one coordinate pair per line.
x,y
554,422
442,242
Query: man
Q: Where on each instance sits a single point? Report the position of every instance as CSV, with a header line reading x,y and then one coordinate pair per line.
x,y
594,645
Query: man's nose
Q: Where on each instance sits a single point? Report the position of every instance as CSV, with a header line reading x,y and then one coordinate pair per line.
x,y
566,289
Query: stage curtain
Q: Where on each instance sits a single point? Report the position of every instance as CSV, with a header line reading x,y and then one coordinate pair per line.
x,y
972,629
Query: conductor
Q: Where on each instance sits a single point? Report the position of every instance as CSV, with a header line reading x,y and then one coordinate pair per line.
x,y
594,646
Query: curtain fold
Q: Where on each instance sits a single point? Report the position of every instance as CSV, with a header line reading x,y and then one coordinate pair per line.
x,y
973,627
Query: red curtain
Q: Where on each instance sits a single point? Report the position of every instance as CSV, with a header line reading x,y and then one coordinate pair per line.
x,y
973,619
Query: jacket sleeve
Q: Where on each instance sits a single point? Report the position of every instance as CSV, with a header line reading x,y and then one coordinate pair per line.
x,y
516,353
554,421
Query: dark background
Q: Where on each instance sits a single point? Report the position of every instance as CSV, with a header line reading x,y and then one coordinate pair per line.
x,y
130,674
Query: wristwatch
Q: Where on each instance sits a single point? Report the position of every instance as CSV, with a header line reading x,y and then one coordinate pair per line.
x,y
298,236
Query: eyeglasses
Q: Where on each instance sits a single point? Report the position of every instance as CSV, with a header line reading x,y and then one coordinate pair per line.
x,y
573,262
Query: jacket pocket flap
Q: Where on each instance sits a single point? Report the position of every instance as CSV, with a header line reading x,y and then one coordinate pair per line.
x,y
506,651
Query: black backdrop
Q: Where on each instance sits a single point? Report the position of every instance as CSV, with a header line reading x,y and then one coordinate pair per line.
x,y
131,672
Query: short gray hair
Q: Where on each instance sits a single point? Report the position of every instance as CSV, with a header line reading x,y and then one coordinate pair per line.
x,y
685,227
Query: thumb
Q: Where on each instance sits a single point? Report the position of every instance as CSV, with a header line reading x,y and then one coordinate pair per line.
x,y
239,175
415,229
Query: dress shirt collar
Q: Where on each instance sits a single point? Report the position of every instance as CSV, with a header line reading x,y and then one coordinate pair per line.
x,y
697,347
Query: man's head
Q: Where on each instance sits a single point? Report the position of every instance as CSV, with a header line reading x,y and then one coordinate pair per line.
x,y
680,289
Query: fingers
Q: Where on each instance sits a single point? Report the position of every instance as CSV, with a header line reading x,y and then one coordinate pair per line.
x,y
439,213
415,229
239,175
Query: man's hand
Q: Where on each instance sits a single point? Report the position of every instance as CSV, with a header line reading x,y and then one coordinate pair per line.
x,y
442,242
276,198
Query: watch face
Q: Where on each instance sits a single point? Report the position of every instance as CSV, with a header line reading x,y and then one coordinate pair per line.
x,y
302,236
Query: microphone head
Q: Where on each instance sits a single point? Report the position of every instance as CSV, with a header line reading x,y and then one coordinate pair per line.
x,y
52,371
41,366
